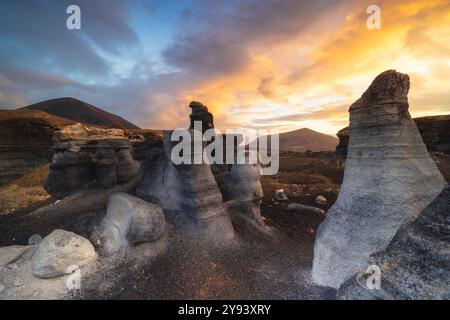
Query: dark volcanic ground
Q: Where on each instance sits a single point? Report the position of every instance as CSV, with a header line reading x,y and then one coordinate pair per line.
x,y
251,267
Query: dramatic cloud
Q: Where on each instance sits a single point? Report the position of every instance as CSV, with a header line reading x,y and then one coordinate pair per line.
x,y
256,64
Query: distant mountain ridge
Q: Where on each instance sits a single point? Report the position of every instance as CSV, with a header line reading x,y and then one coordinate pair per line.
x,y
79,111
305,139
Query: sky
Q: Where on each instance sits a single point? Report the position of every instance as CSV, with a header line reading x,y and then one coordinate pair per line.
x,y
283,64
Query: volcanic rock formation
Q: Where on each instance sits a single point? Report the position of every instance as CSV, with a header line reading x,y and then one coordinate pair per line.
x,y
88,156
205,194
200,113
129,220
415,264
435,132
26,141
389,178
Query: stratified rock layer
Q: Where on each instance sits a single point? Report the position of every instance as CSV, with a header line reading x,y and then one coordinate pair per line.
x,y
26,141
89,156
389,178
187,188
416,263
435,132
59,251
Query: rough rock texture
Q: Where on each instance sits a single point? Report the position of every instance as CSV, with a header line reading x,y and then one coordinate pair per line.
x,y
10,254
389,178
142,140
129,220
26,141
240,185
17,280
200,113
89,156
60,250
187,188
435,132
416,263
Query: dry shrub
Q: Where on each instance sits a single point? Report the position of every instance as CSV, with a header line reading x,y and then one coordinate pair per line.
x,y
24,191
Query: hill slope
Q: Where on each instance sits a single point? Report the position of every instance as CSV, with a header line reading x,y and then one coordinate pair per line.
x,y
83,112
305,139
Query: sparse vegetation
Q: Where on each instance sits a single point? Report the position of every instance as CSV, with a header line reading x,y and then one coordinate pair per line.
x,y
24,191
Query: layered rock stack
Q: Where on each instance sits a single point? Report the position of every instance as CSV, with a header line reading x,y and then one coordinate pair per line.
x,y
200,113
204,193
89,156
340,153
415,264
435,132
389,179
240,185
187,188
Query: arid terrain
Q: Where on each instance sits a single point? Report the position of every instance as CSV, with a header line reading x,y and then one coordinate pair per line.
x,y
250,268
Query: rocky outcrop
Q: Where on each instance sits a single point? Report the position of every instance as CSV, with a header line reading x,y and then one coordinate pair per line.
x,y
205,194
435,132
200,113
187,188
50,269
415,264
389,178
10,254
129,221
59,251
340,153
89,157
240,186
26,141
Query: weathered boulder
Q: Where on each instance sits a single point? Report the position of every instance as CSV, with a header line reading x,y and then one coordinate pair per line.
x,y
200,113
389,178
416,263
302,207
34,239
321,200
241,188
59,251
434,130
88,157
129,220
280,195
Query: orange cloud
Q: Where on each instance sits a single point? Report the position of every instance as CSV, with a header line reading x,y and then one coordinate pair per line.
x,y
309,77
